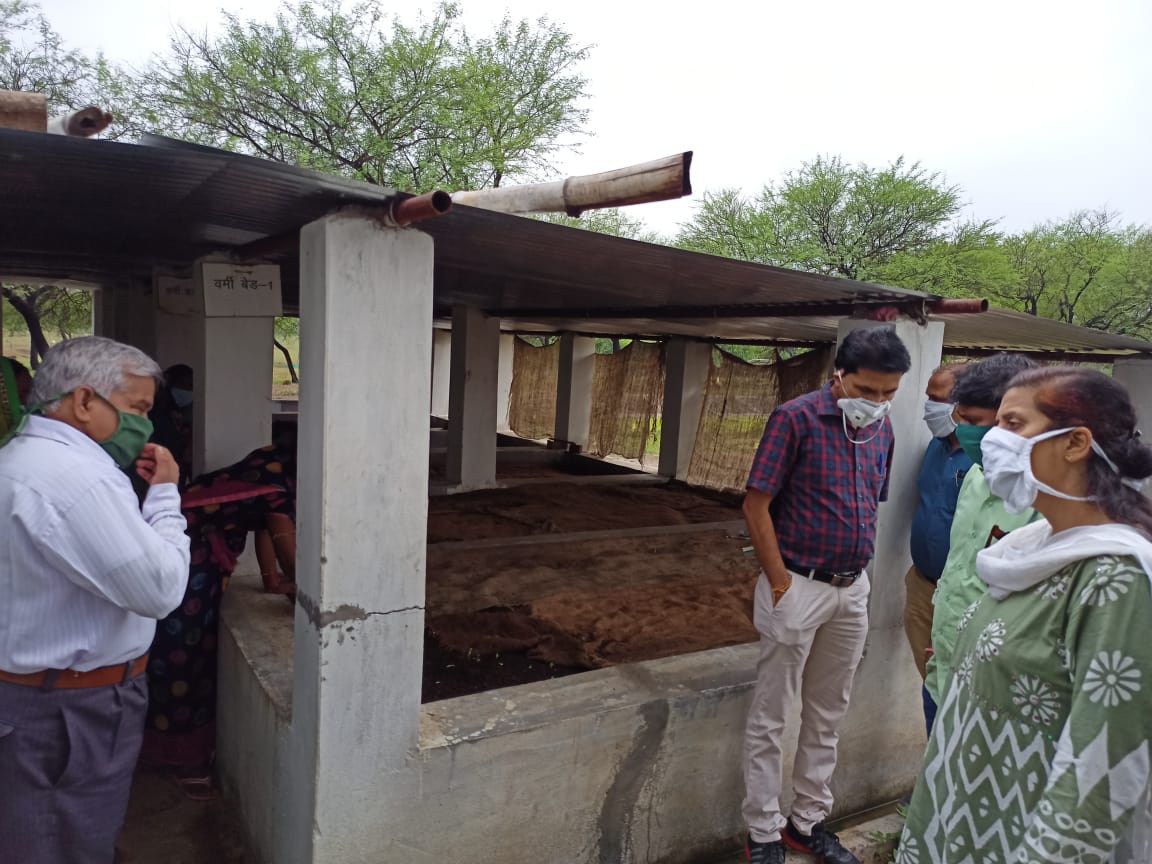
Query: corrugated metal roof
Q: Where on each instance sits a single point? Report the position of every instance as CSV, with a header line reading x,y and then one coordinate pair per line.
x,y
99,210
994,330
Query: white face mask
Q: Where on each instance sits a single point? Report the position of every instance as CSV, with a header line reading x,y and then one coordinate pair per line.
x,y
938,416
1008,468
861,412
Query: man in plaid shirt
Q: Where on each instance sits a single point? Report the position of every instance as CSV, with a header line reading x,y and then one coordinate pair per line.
x,y
820,473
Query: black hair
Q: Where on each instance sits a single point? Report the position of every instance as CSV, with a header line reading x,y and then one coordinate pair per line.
x,y
983,384
878,349
1071,396
177,374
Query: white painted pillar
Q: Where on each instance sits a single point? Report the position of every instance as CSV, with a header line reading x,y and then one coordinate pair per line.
x,y
686,368
504,381
104,311
441,371
178,308
366,291
574,389
1135,373
473,398
127,313
893,558
175,339
232,401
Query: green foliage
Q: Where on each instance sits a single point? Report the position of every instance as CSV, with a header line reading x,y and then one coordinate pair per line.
x,y
353,92
1086,269
287,329
829,217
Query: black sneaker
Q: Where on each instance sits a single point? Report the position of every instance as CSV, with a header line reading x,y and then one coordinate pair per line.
x,y
821,843
765,853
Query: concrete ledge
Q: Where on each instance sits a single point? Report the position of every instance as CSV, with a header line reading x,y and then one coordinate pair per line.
x,y
637,763
260,628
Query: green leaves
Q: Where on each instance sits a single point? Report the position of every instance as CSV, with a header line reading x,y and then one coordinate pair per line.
x,y
898,226
829,217
416,107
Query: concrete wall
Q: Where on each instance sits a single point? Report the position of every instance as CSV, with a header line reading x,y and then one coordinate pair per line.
x,y
640,763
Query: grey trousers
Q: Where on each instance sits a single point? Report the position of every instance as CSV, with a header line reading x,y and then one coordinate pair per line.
x,y
66,763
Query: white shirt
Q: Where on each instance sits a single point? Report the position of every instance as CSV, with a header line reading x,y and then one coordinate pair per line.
x,y
84,574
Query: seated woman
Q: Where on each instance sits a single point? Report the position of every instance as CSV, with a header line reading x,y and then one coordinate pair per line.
x,y
1039,753
222,508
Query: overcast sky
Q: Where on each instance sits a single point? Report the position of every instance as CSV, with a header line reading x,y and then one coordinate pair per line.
x,y
1035,107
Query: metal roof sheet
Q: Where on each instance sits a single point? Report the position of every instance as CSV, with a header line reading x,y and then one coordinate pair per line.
x,y
97,210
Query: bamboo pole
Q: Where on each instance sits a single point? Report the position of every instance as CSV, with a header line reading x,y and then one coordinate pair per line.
x,y
83,123
658,180
25,111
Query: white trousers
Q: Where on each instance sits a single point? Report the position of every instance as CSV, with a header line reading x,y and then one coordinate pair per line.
x,y
811,642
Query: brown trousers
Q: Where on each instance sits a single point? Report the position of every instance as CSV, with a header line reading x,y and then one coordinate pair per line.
x,y
918,616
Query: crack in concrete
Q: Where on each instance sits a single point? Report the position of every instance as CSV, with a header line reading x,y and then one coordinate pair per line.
x,y
633,772
342,614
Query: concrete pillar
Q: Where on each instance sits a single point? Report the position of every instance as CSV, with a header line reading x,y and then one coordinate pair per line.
x,y
924,343
127,313
232,365
178,307
441,371
473,398
1135,373
365,291
175,339
504,380
686,368
104,311
574,389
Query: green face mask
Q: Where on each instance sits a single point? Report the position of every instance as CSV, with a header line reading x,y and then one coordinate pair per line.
x,y
970,437
126,443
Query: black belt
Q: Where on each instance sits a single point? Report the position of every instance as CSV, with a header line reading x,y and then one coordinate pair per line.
x,y
836,580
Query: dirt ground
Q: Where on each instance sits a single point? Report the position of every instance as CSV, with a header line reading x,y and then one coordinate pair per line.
x,y
561,508
501,615
164,826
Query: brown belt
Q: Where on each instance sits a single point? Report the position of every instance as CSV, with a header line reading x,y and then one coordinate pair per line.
x,y
69,679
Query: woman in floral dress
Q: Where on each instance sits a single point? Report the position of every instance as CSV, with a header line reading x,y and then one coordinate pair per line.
x,y
1040,753
222,508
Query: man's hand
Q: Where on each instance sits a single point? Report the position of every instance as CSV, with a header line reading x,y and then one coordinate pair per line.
x,y
779,590
156,465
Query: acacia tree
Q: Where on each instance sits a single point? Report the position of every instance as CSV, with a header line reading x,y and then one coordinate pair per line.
x,y
1085,269
830,217
355,93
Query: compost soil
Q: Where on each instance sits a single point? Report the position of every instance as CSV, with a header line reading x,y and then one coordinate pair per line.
x,y
513,614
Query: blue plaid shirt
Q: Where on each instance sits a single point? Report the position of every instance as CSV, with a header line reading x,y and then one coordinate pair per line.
x,y
825,489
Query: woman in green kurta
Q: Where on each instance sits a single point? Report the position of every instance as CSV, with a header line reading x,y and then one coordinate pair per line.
x,y
1040,752
14,385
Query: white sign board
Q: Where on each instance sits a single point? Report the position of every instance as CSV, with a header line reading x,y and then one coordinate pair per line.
x,y
241,291
176,295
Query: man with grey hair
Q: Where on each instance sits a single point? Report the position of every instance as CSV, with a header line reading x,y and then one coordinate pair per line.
x,y
85,572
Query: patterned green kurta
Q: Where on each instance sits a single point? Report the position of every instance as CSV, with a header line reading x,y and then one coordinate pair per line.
x,y
1040,752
